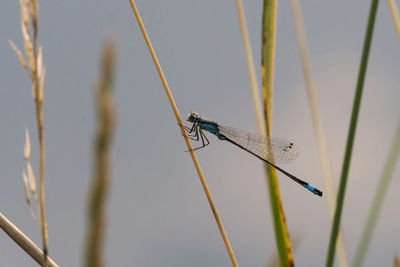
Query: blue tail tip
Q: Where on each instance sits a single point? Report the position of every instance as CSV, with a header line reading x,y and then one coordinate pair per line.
x,y
314,190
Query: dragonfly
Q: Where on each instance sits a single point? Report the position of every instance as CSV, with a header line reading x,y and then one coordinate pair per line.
x,y
271,150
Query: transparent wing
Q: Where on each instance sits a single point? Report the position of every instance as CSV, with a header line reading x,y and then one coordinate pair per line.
x,y
269,148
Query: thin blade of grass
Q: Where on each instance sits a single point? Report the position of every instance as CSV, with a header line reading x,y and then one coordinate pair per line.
x,y
379,196
352,132
30,13
24,242
395,16
28,194
19,54
250,65
184,134
101,167
31,176
27,147
267,72
318,130
396,261
26,189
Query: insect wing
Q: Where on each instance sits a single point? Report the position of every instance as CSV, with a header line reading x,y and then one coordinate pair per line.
x,y
270,148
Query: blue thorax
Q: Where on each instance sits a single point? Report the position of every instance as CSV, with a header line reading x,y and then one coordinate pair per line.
x,y
212,127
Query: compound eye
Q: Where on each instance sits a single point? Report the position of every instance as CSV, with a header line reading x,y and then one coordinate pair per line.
x,y
191,116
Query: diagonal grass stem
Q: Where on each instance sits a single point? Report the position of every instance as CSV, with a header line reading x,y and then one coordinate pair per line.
x,y
183,131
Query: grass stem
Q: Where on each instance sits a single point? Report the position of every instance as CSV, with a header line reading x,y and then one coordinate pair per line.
x,y
101,167
184,134
24,242
267,73
395,15
250,65
319,133
352,132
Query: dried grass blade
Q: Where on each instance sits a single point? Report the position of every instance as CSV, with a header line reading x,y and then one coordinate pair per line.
x,y
26,188
250,65
19,54
396,261
395,15
184,134
27,147
29,13
319,133
31,178
24,242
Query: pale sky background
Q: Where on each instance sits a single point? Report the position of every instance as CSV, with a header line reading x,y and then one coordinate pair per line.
x,y
158,213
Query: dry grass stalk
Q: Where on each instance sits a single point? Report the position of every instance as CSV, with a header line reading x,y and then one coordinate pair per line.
x,y
27,148
184,134
26,188
36,70
28,192
319,133
19,54
24,242
101,168
250,65
395,15
29,179
31,175
396,261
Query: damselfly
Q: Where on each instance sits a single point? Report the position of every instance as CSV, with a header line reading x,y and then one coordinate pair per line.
x,y
268,149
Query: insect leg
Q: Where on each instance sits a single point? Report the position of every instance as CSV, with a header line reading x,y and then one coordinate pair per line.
x,y
202,136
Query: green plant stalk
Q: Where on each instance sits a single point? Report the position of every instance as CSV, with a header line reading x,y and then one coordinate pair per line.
x,y
281,231
352,132
101,168
267,72
268,58
378,199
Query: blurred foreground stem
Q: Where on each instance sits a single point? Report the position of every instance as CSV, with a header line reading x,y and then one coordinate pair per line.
x,y
379,196
101,166
267,73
